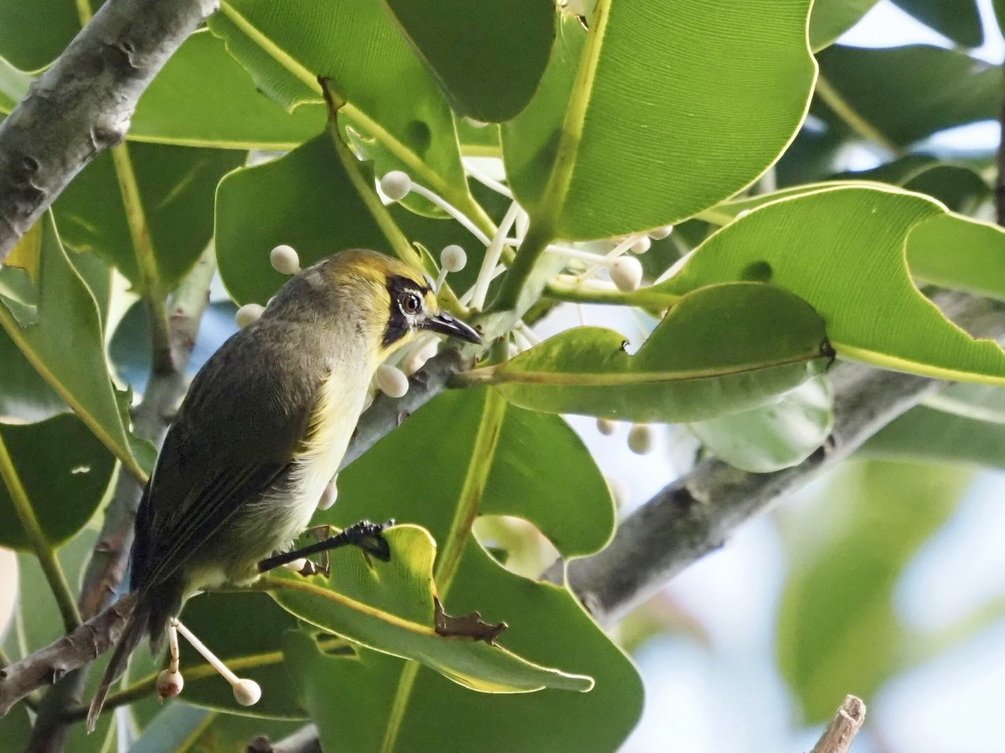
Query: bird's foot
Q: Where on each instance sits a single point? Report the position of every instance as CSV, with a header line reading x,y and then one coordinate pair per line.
x,y
365,535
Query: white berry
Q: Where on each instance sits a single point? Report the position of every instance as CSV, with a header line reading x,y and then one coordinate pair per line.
x,y
640,439
169,684
285,260
392,381
626,273
453,258
396,185
619,491
642,245
249,313
606,426
247,692
661,232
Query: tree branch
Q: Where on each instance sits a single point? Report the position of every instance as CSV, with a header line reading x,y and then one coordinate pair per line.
x,y
695,514
841,731
83,104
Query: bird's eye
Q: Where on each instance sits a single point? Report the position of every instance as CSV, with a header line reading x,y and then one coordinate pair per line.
x,y
411,303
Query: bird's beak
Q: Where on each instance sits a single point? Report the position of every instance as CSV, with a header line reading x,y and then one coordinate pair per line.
x,y
445,324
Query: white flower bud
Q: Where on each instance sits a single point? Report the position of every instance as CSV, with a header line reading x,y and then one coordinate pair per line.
x,y
626,273
391,381
396,185
642,245
453,258
606,426
169,684
661,232
249,313
640,439
247,692
285,260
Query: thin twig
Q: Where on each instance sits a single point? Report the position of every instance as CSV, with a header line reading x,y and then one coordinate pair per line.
x,y
841,731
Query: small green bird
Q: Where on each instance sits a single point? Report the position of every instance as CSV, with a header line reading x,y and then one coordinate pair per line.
x,y
262,432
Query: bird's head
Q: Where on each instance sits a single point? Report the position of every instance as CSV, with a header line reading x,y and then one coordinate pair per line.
x,y
389,301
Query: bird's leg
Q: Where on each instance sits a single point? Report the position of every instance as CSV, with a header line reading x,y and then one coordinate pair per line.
x,y
309,567
366,535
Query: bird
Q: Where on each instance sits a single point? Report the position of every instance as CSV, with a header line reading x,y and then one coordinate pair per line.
x,y
262,431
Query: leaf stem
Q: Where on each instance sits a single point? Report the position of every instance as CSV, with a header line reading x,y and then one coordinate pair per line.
x,y
43,550
146,260
852,118
647,297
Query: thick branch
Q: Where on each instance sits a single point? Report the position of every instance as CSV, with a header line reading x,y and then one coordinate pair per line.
x,y
83,104
697,513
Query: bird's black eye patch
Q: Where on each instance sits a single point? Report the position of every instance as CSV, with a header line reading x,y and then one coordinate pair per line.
x,y
406,303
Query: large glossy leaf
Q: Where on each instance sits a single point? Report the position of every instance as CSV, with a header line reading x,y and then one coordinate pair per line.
x,y
832,18
389,607
546,624
907,93
64,488
33,34
287,46
720,350
837,625
488,57
592,157
304,199
960,20
843,251
926,434
774,436
24,395
66,346
203,97
176,186
960,253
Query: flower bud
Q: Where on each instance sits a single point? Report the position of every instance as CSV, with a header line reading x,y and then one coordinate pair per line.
x,y
642,245
453,258
247,692
640,439
626,273
392,381
606,426
396,185
169,684
249,313
661,232
285,260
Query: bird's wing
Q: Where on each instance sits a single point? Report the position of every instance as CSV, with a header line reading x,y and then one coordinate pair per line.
x,y
234,437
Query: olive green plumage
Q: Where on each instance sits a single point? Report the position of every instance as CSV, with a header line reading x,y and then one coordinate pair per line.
x,y
262,431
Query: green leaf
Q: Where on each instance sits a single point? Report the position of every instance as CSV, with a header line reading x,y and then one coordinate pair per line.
x,y
176,186
927,434
832,18
960,21
546,624
487,57
389,607
956,252
287,46
25,395
592,157
13,86
32,35
775,436
204,98
328,215
959,187
907,93
722,349
843,251
837,626
66,346
65,488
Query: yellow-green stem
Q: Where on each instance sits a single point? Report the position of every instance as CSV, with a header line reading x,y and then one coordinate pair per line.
x,y
146,260
647,297
849,115
43,550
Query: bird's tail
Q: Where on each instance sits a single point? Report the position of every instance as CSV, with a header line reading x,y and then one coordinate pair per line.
x,y
132,634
